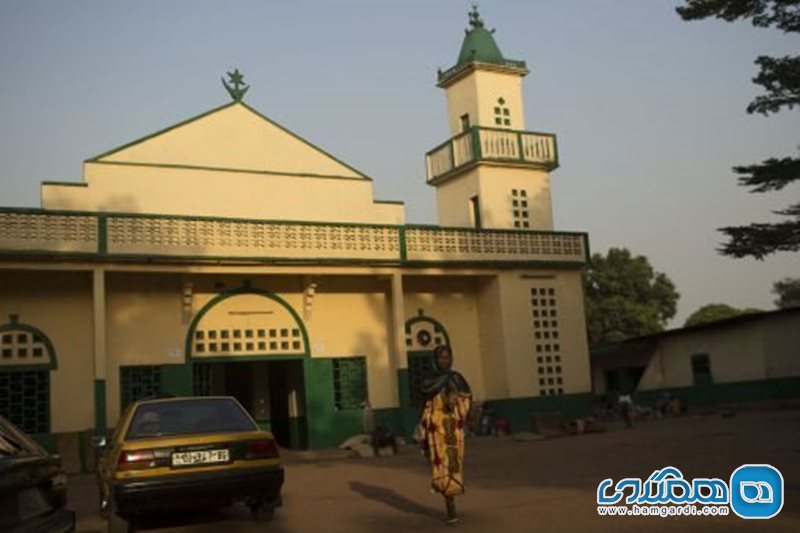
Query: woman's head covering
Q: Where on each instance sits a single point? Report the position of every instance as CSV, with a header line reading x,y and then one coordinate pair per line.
x,y
443,379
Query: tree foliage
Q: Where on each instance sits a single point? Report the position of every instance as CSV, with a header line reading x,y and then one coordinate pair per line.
x,y
788,292
714,312
780,78
625,297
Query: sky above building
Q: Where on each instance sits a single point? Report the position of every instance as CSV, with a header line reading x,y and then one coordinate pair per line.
x,y
649,110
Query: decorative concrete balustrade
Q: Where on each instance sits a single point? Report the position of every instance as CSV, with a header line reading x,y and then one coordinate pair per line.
x,y
148,237
491,144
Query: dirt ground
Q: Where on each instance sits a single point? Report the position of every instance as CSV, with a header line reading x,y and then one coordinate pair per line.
x,y
539,485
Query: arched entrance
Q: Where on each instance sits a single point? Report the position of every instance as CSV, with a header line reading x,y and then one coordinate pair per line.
x,y
251,344
423,335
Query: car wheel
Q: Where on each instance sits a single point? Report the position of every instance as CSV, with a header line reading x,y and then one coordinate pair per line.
x,y
262,512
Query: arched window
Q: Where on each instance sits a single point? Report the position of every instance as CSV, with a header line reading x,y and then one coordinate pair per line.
x,y
26,358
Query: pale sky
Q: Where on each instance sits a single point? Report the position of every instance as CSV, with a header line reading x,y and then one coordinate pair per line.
x,y
649,110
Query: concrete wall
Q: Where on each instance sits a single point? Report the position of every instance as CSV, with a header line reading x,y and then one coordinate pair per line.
x,y
477,94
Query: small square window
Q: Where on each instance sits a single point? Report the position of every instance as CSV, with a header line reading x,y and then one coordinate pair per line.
x,y
212,347
558,369
516,213
556,347
549,369
536,323
525,224
546,334
559,380
524,203
409,342
506,122
212,334
498,121
551,292
273,333
523,192
546,347
539,348
8,339
514,192
506,112
262,346
541,370
539,359
496,110
199,347
516,223
534,301
542,291
552,302
22,338
223,334
544,323
554,323
248,333
22,352
284,333
295,345
7,353
225,347
199,335
550,381
542,392
38,352
237,346
250,346
273,345
552,312
524,213
555,334
515,203
284,345
552,392
561,391
558,358
538,334
541,381
535,313
295,332
261,333
548,359
237,334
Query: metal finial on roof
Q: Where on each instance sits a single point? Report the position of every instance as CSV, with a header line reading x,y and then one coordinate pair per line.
x,y
475,18
238,88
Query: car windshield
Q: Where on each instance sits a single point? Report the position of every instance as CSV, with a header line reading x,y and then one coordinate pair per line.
x,y
187,417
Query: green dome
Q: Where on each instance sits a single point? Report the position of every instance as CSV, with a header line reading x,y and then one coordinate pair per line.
x,y
479,43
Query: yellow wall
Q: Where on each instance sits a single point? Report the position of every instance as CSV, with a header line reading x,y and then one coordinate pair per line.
x,y
452,302
477,94
781,341
496,183
453,200
735,354
60,305
182,191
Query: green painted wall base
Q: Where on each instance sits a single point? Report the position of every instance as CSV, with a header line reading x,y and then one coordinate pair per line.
x,y
522,411
298,433
727,393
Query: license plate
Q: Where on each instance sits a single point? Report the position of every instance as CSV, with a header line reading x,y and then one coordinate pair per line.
x,y
203,457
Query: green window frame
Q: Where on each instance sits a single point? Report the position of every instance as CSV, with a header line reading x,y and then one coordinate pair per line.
x,y
349,382
25,399
137,382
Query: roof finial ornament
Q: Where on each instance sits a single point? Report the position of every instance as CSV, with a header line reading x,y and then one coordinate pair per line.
x,y
475,18
239,88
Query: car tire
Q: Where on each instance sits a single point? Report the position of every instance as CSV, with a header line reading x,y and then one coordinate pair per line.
x,y
261,511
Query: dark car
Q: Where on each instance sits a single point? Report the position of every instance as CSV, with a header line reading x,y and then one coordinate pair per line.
x,y
33,487
174,453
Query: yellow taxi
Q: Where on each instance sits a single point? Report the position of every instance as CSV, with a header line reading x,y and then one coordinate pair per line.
x,y
184,452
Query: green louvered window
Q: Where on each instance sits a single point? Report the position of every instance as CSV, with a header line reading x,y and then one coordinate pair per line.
x,y
25,399
137,382
349,382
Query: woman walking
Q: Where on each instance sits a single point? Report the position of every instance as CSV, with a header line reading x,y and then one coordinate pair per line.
x,y
444,417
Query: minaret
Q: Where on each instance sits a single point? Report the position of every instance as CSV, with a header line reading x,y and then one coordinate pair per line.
x,y
491,173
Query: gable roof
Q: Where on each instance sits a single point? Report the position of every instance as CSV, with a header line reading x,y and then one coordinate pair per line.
x,y
231,137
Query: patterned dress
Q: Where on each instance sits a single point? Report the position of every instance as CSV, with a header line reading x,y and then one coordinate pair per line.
x,y
443,420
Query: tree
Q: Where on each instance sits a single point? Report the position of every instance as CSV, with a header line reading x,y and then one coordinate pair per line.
x,y
714,312
788,291
625,297
780,77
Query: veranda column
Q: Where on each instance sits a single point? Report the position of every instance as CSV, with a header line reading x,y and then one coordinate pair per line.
x,y
99,314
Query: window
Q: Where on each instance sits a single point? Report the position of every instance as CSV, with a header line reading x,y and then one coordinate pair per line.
x,y
520,213
349,382
502,115
137,382
25,399
701,370
475,210
463,122
544,302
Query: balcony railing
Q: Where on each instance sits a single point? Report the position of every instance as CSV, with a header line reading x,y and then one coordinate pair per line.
x,y
107,236
492,144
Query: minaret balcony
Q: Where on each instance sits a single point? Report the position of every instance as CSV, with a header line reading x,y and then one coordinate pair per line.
x,y
491,145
